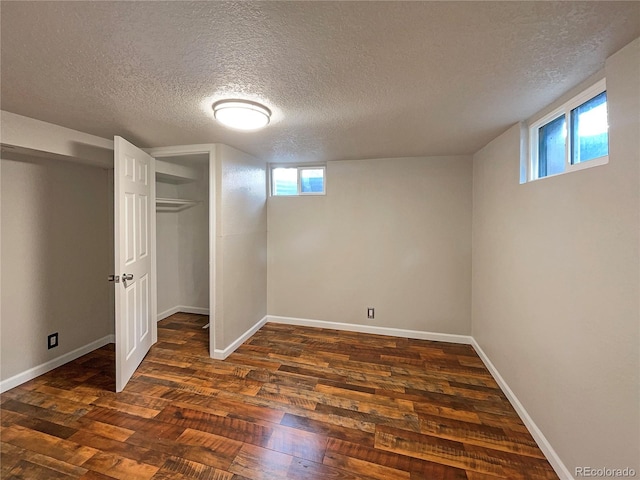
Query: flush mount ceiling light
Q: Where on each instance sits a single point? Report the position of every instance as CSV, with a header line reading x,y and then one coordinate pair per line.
x,y
241,114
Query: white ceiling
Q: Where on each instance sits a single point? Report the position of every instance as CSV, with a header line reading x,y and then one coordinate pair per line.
x,y
345,80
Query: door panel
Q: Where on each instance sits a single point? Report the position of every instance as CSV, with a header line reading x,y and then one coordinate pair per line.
x,y
129,228
134,224
143,216
143,303
130,321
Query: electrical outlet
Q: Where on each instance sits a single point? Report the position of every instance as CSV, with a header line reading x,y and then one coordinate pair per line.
x,y
52,341
371,312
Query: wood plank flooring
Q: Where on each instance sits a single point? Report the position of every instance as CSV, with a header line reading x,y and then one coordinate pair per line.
x,y
292,403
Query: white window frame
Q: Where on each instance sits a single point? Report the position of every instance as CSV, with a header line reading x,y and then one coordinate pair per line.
x,y
299,168
564,110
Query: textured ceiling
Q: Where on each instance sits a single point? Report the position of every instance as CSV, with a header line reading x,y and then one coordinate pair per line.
x,y
345,80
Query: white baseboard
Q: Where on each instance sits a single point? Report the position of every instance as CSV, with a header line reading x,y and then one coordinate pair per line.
x,y
222,354
196,310
392,332
351,327
167,313
560,468
182,308
34,372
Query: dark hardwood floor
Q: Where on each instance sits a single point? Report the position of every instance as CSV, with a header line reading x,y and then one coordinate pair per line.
x,y
291,403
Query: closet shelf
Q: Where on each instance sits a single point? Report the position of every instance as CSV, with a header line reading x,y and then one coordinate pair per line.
x,y
174,204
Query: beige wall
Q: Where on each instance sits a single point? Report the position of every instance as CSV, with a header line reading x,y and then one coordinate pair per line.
x,y
167,252
556,286
393,234
194,243
56,255
241,244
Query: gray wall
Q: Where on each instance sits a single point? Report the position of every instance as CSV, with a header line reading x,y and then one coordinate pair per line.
x,y
57,250
556,287
241,244
393,234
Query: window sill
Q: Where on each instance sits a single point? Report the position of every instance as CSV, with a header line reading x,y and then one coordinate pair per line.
x,y
596,162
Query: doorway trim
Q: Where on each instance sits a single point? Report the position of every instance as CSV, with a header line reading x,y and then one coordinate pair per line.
x,y
208,149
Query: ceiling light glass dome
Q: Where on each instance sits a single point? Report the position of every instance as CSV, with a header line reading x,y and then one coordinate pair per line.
x,y
241,114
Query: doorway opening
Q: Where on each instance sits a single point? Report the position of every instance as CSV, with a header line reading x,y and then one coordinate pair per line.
x,y
185,233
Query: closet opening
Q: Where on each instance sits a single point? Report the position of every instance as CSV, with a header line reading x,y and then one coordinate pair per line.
x,y
183,232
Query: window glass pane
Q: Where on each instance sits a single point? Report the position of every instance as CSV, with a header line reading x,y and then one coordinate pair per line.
x,y
552,139
284,181
312,180
590,130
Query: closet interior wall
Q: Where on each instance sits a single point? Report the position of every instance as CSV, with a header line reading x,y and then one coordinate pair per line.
x,y
182,248
56,235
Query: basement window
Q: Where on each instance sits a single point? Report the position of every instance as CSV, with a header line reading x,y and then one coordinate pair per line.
x,y
572,137
294,181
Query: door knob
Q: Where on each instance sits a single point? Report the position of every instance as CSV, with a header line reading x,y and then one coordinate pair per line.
x,y
126,277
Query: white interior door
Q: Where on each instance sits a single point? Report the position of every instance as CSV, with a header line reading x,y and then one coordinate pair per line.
x,y
134,225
